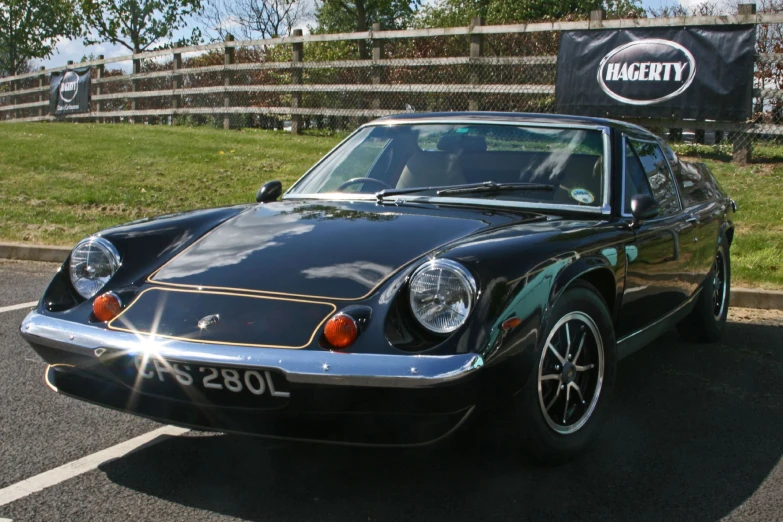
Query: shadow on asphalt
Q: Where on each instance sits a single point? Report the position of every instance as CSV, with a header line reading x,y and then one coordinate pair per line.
x,y
692,433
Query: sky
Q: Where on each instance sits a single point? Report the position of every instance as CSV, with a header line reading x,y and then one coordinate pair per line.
x,y
75,49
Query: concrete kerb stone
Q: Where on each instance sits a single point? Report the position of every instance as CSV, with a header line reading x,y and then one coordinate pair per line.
x,y
53,254
740,297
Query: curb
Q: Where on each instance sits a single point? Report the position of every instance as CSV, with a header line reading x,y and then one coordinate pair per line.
x,y
740,297
52,254
754,298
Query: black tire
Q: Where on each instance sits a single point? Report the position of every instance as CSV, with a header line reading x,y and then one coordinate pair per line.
x,y
543,439
707,320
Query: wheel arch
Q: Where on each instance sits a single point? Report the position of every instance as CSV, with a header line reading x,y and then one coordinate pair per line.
x,y
595,272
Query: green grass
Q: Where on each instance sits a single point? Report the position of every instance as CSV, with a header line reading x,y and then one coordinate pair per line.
x,y
62,182
757,251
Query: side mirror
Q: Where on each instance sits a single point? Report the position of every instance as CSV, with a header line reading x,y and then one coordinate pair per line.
x,y
643,207
269,191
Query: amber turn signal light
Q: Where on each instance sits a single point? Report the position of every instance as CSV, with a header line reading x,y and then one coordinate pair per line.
x,y
106,306
341,330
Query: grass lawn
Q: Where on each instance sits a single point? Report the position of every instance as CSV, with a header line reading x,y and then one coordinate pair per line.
x,y
62,182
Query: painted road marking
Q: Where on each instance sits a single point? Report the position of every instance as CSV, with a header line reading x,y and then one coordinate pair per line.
x,y
77,467
17,307
6,520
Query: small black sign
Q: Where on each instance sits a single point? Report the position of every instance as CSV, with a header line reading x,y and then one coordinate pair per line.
x,y
69,91
684,73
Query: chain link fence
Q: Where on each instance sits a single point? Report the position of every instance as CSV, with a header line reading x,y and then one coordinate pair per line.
x,y
321,82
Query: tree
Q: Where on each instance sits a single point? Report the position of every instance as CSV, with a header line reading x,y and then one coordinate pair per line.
x,y
451,13
252,18
138,24
338,16
29,29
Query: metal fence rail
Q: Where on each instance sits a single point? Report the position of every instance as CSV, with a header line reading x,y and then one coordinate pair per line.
x,y
320,80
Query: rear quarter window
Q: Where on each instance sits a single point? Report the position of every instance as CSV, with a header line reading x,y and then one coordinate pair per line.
x,y
696,184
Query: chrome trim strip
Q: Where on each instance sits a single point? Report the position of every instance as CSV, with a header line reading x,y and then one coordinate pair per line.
x,y
299,366
468,121
522,205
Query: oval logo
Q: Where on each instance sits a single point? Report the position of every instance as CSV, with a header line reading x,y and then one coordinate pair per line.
x,y
646,71
69,86
582,195
210,320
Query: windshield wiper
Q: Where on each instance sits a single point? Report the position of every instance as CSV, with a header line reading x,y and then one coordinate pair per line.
x,y
491,186
465,188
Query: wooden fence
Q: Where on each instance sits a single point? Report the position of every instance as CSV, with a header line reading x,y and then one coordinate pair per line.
x,y
274,80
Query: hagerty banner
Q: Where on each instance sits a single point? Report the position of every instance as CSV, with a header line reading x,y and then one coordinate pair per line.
x,y
69,91
703,73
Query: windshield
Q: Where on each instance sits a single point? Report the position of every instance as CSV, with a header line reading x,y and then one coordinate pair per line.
x,y
446,155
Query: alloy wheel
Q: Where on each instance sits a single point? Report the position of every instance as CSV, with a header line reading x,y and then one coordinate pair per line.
x,y
571,372
719,283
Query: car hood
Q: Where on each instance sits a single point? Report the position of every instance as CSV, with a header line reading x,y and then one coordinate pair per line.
x,y
329,250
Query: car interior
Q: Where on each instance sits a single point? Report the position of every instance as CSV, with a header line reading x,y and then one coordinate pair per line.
x,y
463,158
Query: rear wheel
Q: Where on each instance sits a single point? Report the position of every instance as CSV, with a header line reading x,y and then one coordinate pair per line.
x,y
560,409
707,320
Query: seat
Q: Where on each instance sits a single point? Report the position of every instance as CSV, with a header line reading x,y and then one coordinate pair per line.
x,y
581,172
427,168
431,169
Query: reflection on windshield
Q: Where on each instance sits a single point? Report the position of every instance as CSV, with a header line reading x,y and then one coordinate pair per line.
x,y
435,155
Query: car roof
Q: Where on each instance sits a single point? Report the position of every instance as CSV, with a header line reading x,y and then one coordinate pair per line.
x,y
521,117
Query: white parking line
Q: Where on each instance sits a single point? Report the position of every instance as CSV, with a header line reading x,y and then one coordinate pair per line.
x,y
17,307
77,467
6,520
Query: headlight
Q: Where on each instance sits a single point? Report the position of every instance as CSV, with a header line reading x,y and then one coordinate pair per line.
x,y
441,295
93,262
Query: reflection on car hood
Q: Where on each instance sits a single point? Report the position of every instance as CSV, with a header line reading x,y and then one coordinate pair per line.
x,y
337,250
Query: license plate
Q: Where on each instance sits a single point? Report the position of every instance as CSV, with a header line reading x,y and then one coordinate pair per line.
x,y
234,380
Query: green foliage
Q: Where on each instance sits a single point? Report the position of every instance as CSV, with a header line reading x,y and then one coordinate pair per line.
x,y
30,29
340,16
139,24
450,13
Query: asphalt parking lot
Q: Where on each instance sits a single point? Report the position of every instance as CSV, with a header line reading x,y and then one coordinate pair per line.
x,y
695,433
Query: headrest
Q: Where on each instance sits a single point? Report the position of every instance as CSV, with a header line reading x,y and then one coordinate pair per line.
x,y
455,142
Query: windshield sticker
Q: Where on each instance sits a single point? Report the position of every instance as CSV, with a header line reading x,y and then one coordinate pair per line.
x,y
582,195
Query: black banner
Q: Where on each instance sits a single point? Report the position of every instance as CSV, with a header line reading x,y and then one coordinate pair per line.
x,y
703,73
69,91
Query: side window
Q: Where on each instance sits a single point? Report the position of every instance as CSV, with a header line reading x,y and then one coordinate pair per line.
x,y
661,183
695,188
635,178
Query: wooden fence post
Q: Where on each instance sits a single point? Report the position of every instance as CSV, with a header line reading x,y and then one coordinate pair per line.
x,y
41,96
14,88
134,86
176,84
228,59
99,86
476,50
740,142
376,70
597,18
296,79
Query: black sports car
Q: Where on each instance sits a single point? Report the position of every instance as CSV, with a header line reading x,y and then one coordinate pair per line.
x,y
430,266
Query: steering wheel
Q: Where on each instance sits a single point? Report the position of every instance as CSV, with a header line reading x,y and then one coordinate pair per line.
x,y
356,181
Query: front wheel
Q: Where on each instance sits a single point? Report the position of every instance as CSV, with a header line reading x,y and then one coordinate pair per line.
x,y
560,408
707,320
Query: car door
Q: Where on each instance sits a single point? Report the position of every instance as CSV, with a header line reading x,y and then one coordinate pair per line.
x,y
657,280
703,214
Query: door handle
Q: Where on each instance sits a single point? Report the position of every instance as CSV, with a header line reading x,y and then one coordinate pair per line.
x,y
692,219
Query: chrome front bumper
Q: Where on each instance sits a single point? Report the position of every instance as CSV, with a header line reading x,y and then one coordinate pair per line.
x,y
299,366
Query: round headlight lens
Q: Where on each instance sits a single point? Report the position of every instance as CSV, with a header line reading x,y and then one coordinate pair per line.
x,y
93,262
441,295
